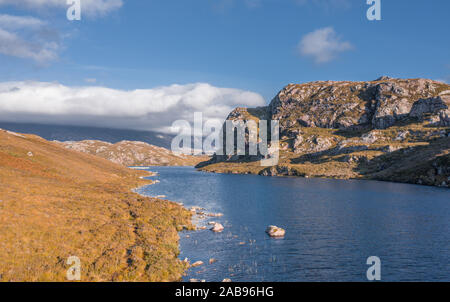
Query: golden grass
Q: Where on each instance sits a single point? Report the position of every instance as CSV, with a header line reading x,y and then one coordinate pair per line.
x,y
60,203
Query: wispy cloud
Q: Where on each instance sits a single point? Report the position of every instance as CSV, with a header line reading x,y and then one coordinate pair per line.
x,y
91,8
322,45
29,38
17,22
141,109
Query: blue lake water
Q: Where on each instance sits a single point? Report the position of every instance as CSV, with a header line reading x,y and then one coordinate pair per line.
x,y
332,227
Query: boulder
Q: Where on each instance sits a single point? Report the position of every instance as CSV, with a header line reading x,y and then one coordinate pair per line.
x,y
197,263
274,231
217,228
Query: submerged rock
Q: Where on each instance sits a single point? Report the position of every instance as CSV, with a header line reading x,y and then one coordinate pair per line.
x,y
274,231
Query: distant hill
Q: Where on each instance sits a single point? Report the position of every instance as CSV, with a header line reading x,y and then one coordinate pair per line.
x,y
131,153
79,133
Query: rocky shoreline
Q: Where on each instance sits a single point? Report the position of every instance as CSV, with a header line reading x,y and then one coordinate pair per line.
x,y
198,221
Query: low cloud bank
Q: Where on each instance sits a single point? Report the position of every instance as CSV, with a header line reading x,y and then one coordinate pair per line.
x,y
142,109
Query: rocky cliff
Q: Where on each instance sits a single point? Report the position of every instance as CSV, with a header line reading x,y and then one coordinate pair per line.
x,y
131,153
387,129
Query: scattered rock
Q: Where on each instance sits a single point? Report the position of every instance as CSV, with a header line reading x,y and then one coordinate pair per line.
x,y
391,148
371,137
132,153
30,154
275,231
214,214
15,134
217,228
226,280
197,263
184,227
401,136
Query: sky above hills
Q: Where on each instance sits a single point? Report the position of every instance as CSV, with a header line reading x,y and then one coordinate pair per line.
x,y
142,64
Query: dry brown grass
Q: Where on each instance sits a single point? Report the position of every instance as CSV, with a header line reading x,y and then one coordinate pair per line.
x,y
60,203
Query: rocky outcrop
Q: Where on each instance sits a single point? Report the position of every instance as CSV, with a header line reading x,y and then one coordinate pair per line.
x,y
217,228
434,110
337,129
274,231
343,105
280,170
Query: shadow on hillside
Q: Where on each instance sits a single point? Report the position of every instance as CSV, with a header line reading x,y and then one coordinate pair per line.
x,y
406,159
322,156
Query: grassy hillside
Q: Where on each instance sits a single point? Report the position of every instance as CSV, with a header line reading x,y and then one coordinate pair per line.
x,y
56,203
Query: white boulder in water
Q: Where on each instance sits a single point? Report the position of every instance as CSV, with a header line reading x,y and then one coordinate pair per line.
x,y
217,228
275,231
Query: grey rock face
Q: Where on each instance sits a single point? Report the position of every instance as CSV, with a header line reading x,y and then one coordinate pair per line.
x,y
436,109
370,107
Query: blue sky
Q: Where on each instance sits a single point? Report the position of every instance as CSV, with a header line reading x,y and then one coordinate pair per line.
x,y
241,44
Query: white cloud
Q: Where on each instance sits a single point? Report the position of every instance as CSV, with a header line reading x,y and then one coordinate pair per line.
x,y
142,109
323,45
39,51
88,7
17,22
29,38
